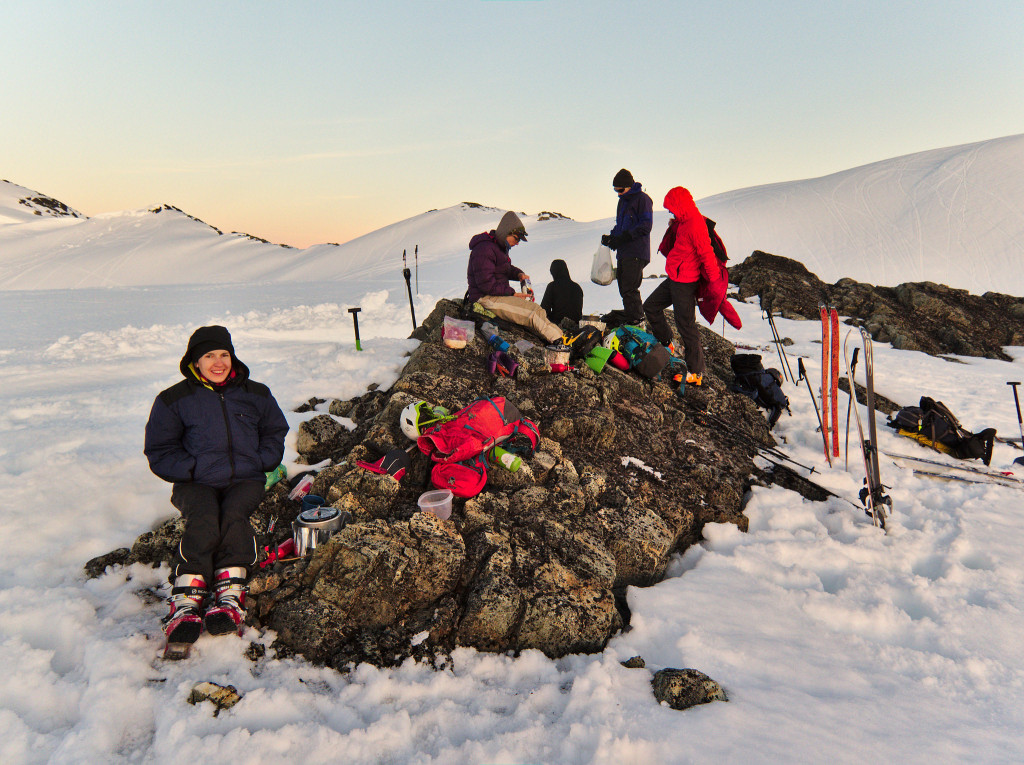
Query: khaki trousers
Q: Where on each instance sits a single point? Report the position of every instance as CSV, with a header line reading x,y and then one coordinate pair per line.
x,y
523,312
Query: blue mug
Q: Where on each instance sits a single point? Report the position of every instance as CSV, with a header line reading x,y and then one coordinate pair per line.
x,y
311,502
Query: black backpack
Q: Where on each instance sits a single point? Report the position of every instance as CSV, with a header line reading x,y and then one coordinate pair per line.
x,y
716,241
584,341
762,385
933,424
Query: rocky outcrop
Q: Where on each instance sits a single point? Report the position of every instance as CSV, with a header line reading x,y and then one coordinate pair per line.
x,y
916,316
627,472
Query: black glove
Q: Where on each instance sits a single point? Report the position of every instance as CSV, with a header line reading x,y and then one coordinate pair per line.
x,y
606,240
615,241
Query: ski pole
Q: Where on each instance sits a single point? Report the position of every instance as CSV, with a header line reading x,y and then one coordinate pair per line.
x,y
746,440
849,405
775,340
787,370
355,323
817,412
1016,400
408,286
416,256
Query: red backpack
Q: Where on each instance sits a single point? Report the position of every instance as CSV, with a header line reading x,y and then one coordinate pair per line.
x,y
457,445
475,429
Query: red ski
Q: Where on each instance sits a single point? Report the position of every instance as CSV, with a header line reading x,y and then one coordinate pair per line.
x,y
834,383
826,365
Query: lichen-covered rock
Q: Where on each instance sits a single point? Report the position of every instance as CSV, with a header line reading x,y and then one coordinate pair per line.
x,y
685,688
626,473
320,437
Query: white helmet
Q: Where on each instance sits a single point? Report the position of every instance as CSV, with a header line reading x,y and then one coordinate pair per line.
x,y
419,414
409,420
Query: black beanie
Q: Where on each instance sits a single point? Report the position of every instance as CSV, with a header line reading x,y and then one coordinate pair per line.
x,y
206,339
623,179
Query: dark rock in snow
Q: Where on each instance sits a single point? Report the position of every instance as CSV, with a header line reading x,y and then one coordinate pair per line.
x,y
685,688
915,316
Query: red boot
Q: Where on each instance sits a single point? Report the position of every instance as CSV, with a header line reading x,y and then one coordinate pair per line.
x,y
184,624
228,610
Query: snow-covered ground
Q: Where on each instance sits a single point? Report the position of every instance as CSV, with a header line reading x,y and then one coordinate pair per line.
x,y
834,641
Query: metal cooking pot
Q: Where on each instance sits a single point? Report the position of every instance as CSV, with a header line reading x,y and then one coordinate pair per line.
x,y
315,526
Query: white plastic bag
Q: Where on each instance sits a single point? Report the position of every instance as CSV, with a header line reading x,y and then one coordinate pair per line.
x,y
603,270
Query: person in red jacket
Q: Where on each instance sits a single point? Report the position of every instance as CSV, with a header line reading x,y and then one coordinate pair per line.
x,y
690,258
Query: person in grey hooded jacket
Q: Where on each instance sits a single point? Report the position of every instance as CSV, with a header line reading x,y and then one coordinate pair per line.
x,y
489,272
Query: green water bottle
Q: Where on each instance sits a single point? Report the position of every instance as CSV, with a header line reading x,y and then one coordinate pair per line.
x,y
511,462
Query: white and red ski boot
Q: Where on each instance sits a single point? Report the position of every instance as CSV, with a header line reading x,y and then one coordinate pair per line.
x,y
184,624
228,610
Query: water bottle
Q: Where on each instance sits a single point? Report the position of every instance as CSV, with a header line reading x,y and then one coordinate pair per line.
x,y
490,333
511,462
527,286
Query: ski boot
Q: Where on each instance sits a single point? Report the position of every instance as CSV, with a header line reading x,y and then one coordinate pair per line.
x,y
228,610
184,624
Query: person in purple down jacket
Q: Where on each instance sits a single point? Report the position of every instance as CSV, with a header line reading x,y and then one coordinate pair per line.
x,y
490,270
214,435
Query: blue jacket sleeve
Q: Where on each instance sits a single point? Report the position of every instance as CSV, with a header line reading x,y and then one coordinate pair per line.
x,y
164,447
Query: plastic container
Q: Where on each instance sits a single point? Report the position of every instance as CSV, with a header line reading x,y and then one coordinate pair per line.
x,y
302,487
438,502
556,357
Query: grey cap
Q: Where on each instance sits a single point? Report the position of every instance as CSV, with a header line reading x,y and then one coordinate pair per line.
x,y
510,224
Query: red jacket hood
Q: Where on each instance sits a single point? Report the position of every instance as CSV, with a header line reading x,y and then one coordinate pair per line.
x,y
679,202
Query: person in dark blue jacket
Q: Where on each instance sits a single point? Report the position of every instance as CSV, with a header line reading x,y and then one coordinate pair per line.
x,y
631,240
214,435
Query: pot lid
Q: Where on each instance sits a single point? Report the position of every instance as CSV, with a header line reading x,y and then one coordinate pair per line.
x,y
319,516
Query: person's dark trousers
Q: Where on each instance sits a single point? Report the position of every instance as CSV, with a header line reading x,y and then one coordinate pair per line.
x,y
630,275
682,296
218,533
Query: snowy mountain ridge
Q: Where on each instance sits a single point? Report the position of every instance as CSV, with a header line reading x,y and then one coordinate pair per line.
x,y
953,215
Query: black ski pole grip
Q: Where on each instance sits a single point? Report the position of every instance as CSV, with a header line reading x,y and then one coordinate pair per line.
x,y
800,368
355,323
1016,400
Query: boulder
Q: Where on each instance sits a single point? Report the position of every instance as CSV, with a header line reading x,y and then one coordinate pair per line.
x,y
685,688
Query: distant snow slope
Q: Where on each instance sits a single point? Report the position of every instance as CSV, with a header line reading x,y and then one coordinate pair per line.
x,y
954,216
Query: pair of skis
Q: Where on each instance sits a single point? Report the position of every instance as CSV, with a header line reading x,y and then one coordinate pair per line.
x,y
873,494
950,471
